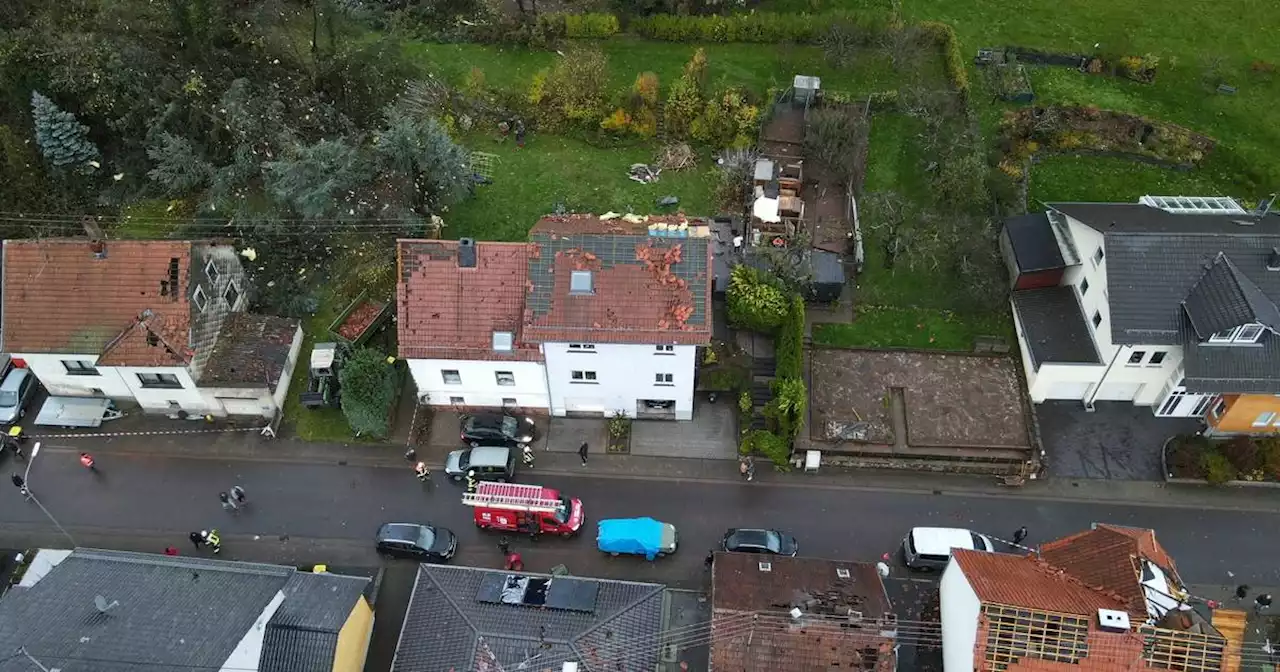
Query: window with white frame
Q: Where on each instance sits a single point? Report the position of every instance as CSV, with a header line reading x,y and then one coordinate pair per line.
x,y
663,379
231,295
580,282
457,401
508,401
505,377
1084,286
451,376
1245,333
159,380
79,367
1157,358
582,376
200,299
666,349
1098,256
211,271
1097,319
1136,357
1265,418
582,347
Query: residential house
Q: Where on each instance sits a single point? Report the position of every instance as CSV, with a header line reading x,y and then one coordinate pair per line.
x,y
779,613
92,610
594,316
1106,600
158,323
463,618
1169,303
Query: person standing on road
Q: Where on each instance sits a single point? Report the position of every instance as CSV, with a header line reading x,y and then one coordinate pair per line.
x,y
472,483
1020,535
228,504
582,453
1262,602
171,550
1242,591
21,484
87,460
504,546
197,540
422,471
237,495
214,541
528,455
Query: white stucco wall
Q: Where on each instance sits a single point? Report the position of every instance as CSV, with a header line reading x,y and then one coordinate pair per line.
x,y
1121,377
479,383
625,374
117,382
959,610
291,365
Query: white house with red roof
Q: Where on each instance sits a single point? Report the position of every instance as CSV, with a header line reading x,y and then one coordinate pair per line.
x,y
158,323
1106,600
593,316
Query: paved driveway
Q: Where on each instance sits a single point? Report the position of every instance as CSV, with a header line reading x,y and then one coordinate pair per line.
x,y
709,435
1117,441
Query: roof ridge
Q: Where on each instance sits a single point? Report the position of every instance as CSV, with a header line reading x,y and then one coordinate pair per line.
x,y
229,566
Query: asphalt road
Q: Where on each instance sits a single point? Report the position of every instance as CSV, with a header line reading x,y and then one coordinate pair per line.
x,y
328,513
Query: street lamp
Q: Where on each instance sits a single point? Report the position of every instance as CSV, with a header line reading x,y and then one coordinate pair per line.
x,y
21,483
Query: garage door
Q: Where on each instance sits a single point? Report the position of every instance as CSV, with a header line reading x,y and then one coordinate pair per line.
x,y
243,407
1119,391
1068,391
586,407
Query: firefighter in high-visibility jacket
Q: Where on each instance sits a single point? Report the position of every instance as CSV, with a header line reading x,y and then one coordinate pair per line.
x,y
213,540
472,483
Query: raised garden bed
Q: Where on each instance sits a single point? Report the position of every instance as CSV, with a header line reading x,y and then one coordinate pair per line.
x,y
361,319
1240,460
1011,83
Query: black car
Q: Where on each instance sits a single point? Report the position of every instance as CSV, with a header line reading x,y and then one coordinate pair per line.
x,y
424,543
496,429
769,542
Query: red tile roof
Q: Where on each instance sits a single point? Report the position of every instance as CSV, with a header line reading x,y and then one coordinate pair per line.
x,y
1022,581
646,289
59,299
1107,557
450,312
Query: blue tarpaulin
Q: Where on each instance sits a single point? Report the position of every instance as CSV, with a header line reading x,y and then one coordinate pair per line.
x,y
632,536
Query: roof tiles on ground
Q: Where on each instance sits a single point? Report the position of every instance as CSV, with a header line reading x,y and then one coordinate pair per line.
x,y
450,312
59,298
645,289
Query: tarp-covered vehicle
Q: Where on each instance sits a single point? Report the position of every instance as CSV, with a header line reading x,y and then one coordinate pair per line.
x,y
636,536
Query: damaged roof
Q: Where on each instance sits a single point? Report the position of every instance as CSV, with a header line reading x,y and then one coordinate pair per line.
x,y
450,311
251,351
129,305
1106,556
641,286
828,593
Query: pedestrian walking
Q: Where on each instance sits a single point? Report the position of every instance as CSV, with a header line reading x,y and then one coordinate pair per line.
x,y
504,546
21,484
237,495
87,460
411,456
514,562
171,550
519,134
710,559
228,504
1242,591
197,539
582,453
422,471
1262,602
1020,535
528,455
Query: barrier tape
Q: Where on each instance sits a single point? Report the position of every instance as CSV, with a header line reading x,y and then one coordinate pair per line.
x,y
167,432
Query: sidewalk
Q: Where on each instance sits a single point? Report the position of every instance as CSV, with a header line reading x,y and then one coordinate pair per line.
x,y
235,446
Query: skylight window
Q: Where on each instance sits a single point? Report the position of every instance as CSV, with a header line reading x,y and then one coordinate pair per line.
x,y
580,282
503,341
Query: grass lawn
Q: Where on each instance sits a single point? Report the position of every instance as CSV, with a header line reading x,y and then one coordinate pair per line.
x,y
1077,178
321,424
753,66
153,218
921,328
529,182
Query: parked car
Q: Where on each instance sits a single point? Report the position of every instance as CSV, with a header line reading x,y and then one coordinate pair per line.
x,y
490,463
496,429
769,542
424,543
16,391
636,536
929,548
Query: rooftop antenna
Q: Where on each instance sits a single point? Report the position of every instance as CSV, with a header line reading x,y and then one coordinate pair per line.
x,y
103,606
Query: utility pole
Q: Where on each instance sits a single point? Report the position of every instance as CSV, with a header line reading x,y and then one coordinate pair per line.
x,y
21,483
23,651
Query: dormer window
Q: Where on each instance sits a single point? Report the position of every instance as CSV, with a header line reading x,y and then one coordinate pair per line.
x,y
211,270
1247,333
580,282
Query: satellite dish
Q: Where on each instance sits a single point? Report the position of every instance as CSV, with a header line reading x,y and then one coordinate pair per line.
x,y
103,606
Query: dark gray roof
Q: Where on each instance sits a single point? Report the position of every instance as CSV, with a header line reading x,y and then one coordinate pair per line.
x,y
1138,218
1055,326
251,351
1223,299
303,633
448,628
1035,247
1234,369
173,612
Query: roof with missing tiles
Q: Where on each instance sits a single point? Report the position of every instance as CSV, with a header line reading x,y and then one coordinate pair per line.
x,y
251,351
645,286
59,297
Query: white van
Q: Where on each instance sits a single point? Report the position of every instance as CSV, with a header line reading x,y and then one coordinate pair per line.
x,y
929,548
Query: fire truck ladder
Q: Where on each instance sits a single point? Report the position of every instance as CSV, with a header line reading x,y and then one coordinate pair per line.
x,y
511,496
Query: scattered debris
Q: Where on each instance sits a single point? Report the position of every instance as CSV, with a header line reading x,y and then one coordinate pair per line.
x,y
644,174
668,201
677,156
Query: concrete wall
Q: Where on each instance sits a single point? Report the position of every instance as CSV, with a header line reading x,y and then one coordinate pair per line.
x,y
478,386
960,610
624,374
353,640
290,366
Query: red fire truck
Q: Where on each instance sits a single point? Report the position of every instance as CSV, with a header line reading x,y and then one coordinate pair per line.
x,y
533,509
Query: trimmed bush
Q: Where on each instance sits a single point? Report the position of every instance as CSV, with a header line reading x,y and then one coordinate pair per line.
x,y
789,346
760,27
1217,468
368,392
590,26
945,37
754,301
760,442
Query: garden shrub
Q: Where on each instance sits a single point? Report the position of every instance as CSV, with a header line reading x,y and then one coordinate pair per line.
x,y
789,345
1183,459
368,391
755,301
590,26
685,101
728,121
1217,468
744,403
573,90
759,27
768,444
1269,451
944,36
790,400
1243,453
